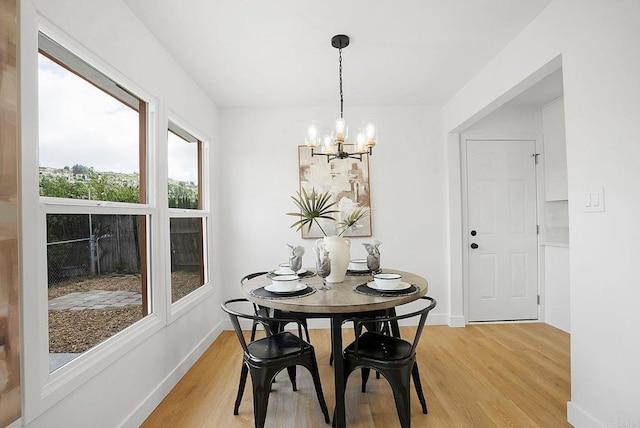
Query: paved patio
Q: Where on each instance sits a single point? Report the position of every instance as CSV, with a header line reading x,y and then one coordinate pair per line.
x,y
95,299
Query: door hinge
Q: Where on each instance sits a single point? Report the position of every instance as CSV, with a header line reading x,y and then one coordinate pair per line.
x,y
537,229
538,299
535,157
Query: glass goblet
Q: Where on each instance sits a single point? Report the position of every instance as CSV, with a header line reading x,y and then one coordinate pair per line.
x,y
323,270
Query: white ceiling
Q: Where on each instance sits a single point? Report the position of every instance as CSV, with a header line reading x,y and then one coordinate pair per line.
x,y
278,53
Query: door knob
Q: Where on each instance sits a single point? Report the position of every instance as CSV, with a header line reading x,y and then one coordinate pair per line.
x,y
474,245
474,233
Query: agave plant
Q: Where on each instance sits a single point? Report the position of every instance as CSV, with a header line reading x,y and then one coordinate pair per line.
x,y
314,206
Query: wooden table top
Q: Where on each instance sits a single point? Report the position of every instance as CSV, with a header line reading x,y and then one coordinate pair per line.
x,y
341,298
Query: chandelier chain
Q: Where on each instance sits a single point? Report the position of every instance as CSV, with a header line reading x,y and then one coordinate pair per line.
x,y
340,68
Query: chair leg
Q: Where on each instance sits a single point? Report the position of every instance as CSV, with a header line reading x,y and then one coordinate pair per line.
x,y
306,330
261,380
365,376
416,381
315,374
253,331
243,380
292,376
402,396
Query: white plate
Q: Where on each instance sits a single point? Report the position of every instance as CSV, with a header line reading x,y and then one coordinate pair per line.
x,y
282,272
273,288
402,286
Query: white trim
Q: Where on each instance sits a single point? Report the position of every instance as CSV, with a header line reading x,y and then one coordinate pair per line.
x,y
457,321
188,302
578,417
146,407
456,271
83,206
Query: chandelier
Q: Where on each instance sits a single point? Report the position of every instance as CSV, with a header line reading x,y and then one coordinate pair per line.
x,y
332,143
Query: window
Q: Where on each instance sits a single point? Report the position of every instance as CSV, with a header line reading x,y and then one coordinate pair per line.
x,y
93,189
187,216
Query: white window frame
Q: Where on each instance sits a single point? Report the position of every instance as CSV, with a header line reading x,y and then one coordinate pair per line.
x,y
41,388
177,309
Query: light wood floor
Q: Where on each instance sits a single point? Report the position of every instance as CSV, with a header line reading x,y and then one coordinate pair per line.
x,y
497,375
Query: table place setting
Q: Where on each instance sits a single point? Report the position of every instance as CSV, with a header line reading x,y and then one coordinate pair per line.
x,y
359,267
283,287
386,285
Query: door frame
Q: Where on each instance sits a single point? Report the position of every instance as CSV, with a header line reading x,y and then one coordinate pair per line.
x,y
465,241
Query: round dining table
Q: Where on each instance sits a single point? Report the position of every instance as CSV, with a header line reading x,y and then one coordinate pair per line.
x,y
338,303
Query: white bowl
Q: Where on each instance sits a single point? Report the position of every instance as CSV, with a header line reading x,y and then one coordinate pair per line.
x,y
281,283
387,281
358,265
285,269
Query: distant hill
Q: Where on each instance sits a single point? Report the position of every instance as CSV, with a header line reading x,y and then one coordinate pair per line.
x,y
80,182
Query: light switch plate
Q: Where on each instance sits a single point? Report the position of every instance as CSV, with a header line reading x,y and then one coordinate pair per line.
x,y
593,199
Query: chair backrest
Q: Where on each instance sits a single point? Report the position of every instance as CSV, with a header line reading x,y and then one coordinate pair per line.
x,y
230,307
359,322
251,276
257,310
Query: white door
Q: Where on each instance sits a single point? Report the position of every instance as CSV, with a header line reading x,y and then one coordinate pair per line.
x,y
502,226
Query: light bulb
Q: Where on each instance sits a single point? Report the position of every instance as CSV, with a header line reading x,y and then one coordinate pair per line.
x,y
360,143
341,130
327,144
312,136
370,131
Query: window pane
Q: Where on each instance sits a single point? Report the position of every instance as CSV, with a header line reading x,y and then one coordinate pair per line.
x,y
89,140
96,280
187,256
183,171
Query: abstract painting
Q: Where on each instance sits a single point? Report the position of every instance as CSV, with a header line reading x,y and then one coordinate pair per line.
x,y
346,180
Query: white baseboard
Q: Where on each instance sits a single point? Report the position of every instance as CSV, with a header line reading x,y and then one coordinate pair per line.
x,y
457,321
579,418
437,319
146,407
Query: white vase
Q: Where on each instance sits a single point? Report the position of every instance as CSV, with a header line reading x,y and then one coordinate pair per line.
x,y
340,253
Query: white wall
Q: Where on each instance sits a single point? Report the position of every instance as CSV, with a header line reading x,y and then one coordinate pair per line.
x,y
407,177
600,46
129,382
555,151
510,122
556,287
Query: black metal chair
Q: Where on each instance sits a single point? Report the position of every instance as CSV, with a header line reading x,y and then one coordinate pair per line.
x,y
274,326
264,358
393,357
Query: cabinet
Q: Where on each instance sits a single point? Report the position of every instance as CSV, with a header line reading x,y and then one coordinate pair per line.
x,y
555,151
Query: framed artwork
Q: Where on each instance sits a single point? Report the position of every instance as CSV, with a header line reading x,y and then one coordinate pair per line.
x,y
346,180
